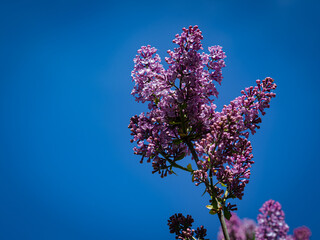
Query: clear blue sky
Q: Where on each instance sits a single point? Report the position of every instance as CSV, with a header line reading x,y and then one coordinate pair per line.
x,y
67,169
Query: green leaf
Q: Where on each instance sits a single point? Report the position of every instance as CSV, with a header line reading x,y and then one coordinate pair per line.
x,y
226,194
204,192
174,173
226,213
174,123
177,141
223,185
212,211
189,167
184,105
210,207
214,203
180,156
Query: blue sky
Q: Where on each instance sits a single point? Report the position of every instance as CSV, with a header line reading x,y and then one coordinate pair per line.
x,y
67,169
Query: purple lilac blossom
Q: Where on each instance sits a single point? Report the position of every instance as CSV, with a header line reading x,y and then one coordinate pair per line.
x,y
148,75
177,110
271,223
226,148
301,233
182,119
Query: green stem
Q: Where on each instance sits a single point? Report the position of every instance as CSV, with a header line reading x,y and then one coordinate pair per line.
x,y
223,226
178,166
193,152
174,164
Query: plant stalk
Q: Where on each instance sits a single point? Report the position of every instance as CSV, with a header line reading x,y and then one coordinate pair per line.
x,y
223,226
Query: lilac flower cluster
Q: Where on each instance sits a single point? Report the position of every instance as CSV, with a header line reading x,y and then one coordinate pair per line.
x,y
226,148
148,74
271,222
179,111
181,226
239,229
182,119
300,233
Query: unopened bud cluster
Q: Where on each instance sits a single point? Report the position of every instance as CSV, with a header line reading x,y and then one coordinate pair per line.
x,y
181,226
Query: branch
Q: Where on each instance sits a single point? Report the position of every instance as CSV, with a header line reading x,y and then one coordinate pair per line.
x,y
174,164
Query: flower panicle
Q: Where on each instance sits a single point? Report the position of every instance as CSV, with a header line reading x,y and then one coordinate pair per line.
x,y
182,119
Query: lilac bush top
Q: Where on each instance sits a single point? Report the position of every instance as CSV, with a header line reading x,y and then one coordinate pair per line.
x,y
182,119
